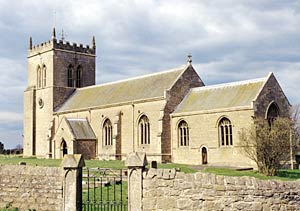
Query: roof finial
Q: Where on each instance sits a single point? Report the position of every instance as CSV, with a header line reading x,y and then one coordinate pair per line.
x,y
30,42
62,34
53,33
189,58
93,42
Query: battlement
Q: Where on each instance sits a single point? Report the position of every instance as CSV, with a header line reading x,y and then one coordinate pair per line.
x,y
54,44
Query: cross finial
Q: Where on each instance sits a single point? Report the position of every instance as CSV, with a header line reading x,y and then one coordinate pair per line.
x,y
62,35
189,58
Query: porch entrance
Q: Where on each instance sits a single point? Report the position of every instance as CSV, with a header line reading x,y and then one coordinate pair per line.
x,y
63,148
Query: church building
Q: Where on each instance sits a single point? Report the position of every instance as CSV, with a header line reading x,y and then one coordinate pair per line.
x,y
170,115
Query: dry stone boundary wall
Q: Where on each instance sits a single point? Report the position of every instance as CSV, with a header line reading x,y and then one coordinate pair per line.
x,y
43,188
168,190
31,187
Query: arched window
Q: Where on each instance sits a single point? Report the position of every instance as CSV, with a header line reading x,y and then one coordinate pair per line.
x,y
39,77
107,133
70,76
225,132
44,76
144,130
78,76
272,113
183,133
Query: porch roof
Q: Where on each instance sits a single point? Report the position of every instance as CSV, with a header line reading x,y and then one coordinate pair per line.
x,y
81,129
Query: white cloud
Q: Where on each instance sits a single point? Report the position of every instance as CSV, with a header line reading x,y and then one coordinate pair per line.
x,y
229,40
10,117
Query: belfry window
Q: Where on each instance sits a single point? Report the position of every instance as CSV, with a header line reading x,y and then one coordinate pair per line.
x,y
44,76
144,130
39,77
70,76
78,76
225,132
183,133
107,133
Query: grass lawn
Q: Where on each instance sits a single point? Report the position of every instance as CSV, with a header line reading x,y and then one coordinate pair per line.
x,y
182,167
283,174
106,197
114,164
32,161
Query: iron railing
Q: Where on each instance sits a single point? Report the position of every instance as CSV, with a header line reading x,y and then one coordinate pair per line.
x,y
104,190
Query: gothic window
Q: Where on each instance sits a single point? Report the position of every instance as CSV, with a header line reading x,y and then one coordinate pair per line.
x,y
107,133
44,76
144,130
78,76
70,76
183,133
272,113
225,132
39,77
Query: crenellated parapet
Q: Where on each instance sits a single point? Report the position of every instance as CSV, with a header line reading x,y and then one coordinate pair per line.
x,y
73,47
55,44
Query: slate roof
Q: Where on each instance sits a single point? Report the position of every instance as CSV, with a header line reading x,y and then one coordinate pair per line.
x,y
145,87
81,129
222,96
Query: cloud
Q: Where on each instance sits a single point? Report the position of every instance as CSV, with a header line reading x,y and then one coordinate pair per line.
x,y
229,40
10,117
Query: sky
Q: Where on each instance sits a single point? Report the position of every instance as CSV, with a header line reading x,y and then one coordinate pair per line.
x,y
229,41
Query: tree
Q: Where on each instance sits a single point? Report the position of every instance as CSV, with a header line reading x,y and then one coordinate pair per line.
x,y
1,148
267,145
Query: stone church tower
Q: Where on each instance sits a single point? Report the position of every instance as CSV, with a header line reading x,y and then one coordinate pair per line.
x,y
55,69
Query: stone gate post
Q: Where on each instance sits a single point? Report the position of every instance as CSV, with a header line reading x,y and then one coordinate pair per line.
x,y
72,186
135,162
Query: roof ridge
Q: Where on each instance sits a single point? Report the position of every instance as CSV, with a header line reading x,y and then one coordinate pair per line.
x,y
182,68
235,83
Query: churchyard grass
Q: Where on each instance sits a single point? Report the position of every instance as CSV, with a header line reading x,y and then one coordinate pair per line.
x,y
32,161
109,195
182,167
283,174
114,164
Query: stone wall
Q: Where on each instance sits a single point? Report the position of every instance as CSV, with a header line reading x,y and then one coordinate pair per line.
x,y
204,133
29,187
87,148
189,79
43,188
272,92
168,190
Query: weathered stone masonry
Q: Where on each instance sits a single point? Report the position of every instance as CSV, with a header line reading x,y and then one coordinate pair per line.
x,y
29,187
43,188
168,190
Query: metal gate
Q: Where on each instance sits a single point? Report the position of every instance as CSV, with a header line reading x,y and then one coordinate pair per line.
x,y
104,190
